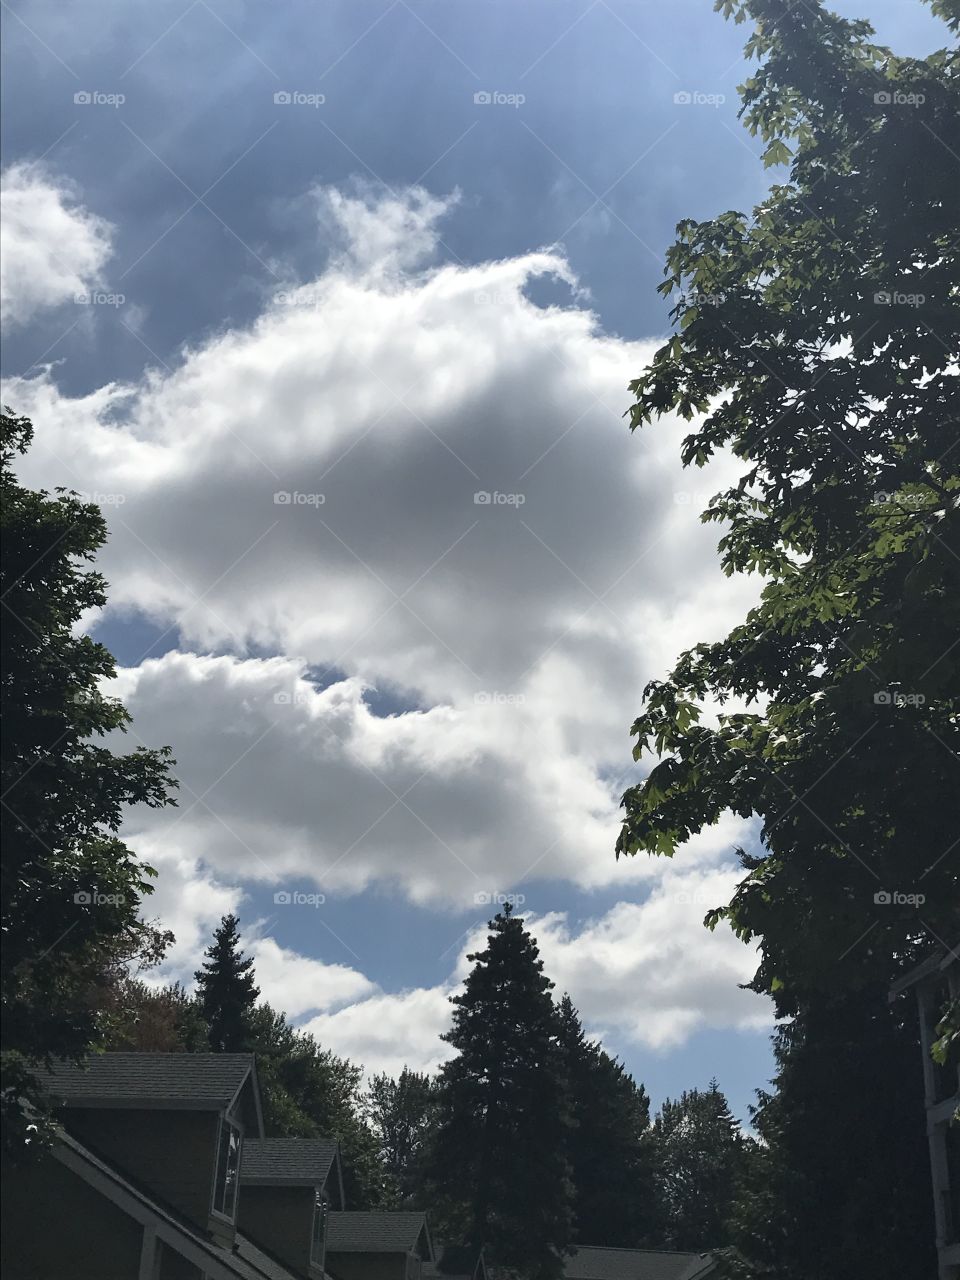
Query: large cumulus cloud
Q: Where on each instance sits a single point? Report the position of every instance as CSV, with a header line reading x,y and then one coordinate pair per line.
x,y
405,475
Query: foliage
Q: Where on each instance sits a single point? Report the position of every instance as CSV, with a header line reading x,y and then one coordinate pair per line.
x,y
503,1115
700,1159
818,339
843,1184
402,1115
144,1019
309,1092
609,1155
226,990
71,891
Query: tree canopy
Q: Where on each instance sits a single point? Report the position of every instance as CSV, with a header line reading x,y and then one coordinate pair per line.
x,y
817,342
71,892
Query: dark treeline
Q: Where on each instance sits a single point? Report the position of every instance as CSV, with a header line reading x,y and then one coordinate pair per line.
x,y
532,1138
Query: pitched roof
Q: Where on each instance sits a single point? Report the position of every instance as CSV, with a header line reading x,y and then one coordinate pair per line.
x,y
196,1081
374,1232
288,1161
244,1262
592,1262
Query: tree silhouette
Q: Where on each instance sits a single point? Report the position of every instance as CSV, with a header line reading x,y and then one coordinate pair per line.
x,y
609,1154
504,1112
71,892
226,990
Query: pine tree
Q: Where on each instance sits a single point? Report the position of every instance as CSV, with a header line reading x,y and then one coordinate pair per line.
x,y
608,1153
504,1115
700,1159
226,990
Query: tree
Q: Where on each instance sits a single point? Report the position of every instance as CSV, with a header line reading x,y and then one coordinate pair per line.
x,y
818,338
402,1114
71,891
843,1182
607,1145
503,1110
153,1019
226,990
309,1092
700,1157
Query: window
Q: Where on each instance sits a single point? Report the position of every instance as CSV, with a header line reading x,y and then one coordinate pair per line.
x,y
228,1170
319,1237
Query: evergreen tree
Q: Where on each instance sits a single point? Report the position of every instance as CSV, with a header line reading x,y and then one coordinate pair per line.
x,y
609,1155
226,990
504,1115
843,1187
700,1159
402,1114
71,892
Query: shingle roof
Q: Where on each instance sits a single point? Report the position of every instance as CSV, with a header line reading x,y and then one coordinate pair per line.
x,y
189,1080
288,1161
374,1232
597,1263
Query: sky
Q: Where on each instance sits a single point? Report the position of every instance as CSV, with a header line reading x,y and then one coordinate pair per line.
x,y
333,307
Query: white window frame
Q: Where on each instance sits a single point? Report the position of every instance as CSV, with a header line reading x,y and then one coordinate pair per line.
x,y
232,1125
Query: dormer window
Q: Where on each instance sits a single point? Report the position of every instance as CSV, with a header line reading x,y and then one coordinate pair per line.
x,y
319,1237
228,1169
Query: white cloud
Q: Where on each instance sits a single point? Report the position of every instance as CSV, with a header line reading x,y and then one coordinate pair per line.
x,y
389,1032
299,985
53,247
281,780
382,409
380,398
649,972
643,974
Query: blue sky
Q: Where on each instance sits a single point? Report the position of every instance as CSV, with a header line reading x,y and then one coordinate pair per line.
x,y
386,302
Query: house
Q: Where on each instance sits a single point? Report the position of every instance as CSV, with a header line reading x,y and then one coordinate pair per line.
x,y
288,1187
934,983
455,1262
143,1178
593,1262
378,1246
